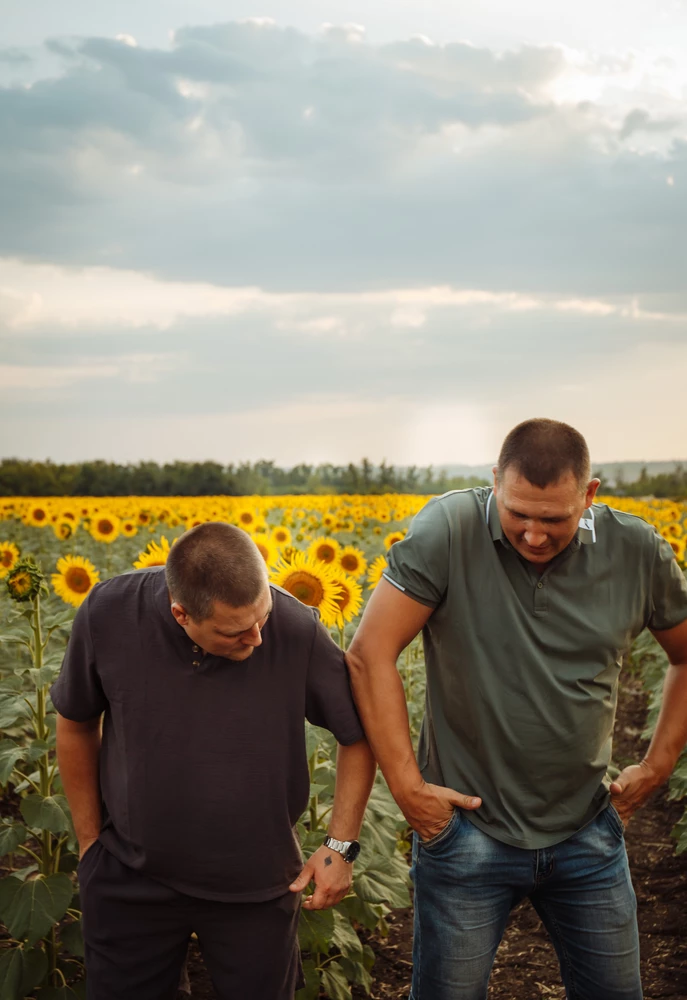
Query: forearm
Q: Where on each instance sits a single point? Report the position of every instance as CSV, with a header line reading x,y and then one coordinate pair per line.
x,y
355,774
670,735
382,707
78,752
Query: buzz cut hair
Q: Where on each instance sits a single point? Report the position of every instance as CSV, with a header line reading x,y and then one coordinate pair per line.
x,y
214,562
543,451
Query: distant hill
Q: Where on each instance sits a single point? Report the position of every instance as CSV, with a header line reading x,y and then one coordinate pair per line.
x,y
627,471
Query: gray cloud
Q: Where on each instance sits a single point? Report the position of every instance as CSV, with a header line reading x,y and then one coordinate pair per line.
x,y
14,57
639,120
250,154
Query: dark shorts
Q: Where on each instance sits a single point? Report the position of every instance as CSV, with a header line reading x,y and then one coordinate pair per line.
x,y
136,933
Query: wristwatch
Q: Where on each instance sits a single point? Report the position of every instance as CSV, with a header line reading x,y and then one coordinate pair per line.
x,y
348,849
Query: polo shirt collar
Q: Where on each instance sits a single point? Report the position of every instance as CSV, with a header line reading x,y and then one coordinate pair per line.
x,y
586,531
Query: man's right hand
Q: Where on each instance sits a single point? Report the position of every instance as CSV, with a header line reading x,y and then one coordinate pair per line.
x,y
430,807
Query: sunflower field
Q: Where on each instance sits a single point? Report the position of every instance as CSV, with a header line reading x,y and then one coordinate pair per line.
x,y
330,553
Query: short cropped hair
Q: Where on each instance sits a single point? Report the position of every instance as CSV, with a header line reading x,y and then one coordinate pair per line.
x,y
214,562
543,451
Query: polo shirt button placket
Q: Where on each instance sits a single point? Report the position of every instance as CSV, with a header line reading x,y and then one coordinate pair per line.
x,y
541,604
196,663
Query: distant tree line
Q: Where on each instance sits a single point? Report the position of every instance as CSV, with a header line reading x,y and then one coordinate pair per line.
x,y
97,479
662,485
24,478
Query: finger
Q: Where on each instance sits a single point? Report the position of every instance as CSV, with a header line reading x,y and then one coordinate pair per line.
x,y
303,879
320,900
464,801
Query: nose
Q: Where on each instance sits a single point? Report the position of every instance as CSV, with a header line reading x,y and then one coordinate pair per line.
x,y
535,539
253,637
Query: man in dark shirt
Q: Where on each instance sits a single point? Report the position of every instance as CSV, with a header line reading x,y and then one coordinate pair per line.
x,y
185,808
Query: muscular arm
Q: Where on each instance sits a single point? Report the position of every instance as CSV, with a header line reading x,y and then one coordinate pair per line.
x,y
78,750
355,773
636,783
390,621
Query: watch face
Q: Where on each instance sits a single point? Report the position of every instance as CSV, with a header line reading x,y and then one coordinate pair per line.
x,y
352,852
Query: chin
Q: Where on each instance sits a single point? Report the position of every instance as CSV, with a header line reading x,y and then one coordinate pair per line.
x,y
239,656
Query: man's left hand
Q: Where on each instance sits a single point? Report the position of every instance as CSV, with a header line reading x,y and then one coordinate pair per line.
x,y
632,788
332,877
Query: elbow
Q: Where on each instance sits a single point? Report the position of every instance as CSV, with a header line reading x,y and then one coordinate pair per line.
x,y
355,663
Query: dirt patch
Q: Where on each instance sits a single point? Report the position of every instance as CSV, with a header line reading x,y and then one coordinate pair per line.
x,y
526,966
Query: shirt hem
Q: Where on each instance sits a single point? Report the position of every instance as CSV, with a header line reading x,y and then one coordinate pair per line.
x,y
534,843
259,896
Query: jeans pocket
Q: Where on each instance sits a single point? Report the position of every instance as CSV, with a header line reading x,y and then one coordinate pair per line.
x,y
615,821
440,837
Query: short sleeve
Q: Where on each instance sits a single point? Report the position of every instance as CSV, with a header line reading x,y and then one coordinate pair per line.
x,y
77,693
418,565
329,701
668,589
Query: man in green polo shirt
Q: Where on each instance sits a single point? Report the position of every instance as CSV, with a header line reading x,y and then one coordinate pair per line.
x,y
528,595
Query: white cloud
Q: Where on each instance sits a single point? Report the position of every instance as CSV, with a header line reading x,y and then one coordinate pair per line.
x,y
135,368
36,296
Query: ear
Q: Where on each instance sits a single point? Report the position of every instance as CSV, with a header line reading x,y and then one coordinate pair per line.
x,y
180,614
591,493
495,470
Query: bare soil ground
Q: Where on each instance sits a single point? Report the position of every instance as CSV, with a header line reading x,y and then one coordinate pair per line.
x,y
526,967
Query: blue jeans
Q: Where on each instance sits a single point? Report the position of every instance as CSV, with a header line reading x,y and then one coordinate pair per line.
x,y
466,884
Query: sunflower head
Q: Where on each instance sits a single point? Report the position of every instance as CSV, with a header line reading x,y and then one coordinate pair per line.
x,y
392,538
268,550
63,530
324,550
74,580
105,528
153,555
25,581
311,582
352,561
374,573
9,556
350,599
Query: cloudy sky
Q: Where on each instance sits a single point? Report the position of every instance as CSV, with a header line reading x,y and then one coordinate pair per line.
x,y
313,231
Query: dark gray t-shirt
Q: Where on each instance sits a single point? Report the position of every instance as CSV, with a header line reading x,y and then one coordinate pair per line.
x,y
522,666
203,769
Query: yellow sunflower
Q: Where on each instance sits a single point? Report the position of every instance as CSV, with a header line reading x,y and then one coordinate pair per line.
x,y
352,561
36,515
25,580
63,529
129,527
9,555
105,527
153,555
324,550
312,582
268,550
393,537
281,536
75,578
350,600
679,547
247,518
374,573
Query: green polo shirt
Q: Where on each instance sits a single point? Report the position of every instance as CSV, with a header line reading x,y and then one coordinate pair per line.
x,y
522,666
